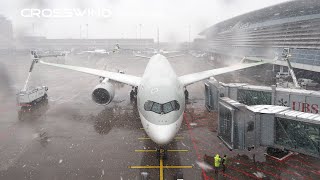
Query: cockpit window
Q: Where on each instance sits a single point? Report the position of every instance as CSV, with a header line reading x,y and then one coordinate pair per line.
x,y
148,105
167,108
162,108
156,107
175,105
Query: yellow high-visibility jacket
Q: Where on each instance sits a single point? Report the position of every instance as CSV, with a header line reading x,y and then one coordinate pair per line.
x,y
217,160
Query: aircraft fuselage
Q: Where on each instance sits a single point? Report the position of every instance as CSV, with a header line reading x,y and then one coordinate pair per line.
x,y
160,100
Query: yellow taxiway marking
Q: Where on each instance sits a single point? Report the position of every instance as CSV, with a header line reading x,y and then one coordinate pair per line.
x,y
144,167
177,167
153,150
161,168
147,138
157,167
142,150
178,150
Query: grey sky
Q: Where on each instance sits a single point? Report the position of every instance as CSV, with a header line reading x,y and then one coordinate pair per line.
x,y
171,16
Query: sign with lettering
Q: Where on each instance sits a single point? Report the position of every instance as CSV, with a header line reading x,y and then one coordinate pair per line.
x,y
305,107
308,104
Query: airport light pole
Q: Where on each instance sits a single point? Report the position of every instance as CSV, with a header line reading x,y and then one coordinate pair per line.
x,y
33,29
158,39
140,25
189,36
136,31
87,31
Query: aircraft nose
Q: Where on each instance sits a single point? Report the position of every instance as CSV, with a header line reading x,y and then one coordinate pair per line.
x,y
162,134
163,139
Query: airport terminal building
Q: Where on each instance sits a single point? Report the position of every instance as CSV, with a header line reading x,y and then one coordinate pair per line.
x,y
266,32
267,116
8,41
40,42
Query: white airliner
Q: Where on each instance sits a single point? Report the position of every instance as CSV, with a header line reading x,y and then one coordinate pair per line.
x,y
96,51
161,51
160,93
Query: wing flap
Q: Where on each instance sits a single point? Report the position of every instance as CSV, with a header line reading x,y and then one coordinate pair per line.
x,y
122,78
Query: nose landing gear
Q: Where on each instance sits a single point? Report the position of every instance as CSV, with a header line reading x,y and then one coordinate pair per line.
x,y
162,153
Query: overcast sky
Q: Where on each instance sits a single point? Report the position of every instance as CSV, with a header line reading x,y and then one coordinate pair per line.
x,y
173,17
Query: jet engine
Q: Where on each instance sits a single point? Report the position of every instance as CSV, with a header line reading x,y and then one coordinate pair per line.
x,y
103,93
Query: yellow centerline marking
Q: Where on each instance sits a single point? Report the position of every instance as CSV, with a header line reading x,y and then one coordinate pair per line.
x,y
178,150
177,167
141,150
157,167
144,167
161,168
153,150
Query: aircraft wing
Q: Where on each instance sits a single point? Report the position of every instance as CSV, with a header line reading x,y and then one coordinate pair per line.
x,y
178,55
196,77
142,56
122,78
170,52
308,67
83,52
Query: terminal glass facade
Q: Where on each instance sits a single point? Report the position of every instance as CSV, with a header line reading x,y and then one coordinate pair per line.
x,y
299,136
251,97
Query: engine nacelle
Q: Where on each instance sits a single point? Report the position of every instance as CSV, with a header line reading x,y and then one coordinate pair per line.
x,y
103,93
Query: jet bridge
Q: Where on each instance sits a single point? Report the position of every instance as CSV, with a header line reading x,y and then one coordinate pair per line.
x,y
248,127
252,116
297,99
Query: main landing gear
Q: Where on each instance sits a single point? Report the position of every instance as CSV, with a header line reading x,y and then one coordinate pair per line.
x,y
133,94
186,94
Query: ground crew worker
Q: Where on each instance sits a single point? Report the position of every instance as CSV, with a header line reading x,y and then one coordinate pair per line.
x,y
224,163
217,160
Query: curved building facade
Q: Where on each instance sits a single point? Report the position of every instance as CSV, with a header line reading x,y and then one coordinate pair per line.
x,y
266,32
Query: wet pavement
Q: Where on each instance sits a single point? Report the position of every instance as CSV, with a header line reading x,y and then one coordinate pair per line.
x,y
70,137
